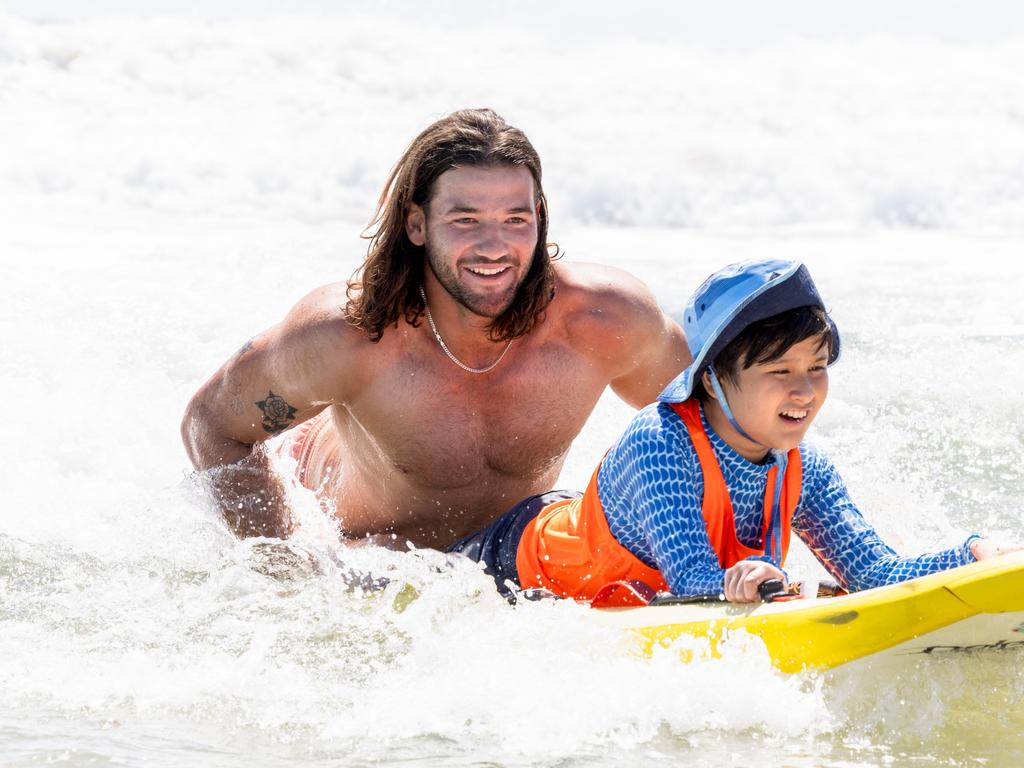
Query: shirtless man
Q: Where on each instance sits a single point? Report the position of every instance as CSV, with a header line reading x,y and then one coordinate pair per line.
x,y
447,381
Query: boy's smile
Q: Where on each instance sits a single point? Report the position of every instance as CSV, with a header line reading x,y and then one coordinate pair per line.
x,y
774,402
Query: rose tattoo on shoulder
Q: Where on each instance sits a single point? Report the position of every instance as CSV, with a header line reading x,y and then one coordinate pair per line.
x,y
277,414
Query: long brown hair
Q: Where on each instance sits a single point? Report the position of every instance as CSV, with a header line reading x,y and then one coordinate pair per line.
x,y
386,285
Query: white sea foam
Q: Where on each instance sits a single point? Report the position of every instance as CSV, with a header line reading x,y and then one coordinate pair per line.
x,y
169,187
293,119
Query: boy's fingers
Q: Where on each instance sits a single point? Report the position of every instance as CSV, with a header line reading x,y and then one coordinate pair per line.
x,y
756,577
742,580
753,581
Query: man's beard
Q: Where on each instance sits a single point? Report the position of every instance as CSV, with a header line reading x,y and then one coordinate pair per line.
x,y
492,306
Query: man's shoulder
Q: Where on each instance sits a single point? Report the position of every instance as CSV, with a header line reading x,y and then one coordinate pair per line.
x,y
318,344
322,313
317,329
587,283
598,299
613,320
323,304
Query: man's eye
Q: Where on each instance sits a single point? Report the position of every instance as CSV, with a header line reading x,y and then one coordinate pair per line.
x,y
465,220
517,220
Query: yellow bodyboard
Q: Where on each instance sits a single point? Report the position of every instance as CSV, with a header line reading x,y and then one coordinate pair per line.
x,y
971,608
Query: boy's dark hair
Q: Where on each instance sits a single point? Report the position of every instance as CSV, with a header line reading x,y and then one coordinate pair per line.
x,y
768,340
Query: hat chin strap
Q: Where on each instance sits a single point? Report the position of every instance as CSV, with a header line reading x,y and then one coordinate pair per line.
x,y
773,547
724,404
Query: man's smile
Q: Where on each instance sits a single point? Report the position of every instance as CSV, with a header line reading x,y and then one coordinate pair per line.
x,y
488,271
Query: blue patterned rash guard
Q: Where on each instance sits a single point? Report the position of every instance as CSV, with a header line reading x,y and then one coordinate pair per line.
x,y
651,486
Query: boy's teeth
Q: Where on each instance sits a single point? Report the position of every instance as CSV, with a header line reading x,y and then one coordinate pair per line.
x,y
795,414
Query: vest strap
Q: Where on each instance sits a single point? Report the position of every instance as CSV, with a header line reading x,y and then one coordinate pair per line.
x,y
569,549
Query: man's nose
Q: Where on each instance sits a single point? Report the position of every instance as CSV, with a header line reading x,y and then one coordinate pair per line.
x,y
492,242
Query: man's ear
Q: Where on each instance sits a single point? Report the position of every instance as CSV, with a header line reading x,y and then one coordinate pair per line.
x,y
705,379
416,225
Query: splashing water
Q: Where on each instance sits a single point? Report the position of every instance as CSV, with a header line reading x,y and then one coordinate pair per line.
x,y
176,186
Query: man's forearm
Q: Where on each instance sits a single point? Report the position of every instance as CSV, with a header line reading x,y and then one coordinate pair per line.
x,y
243,482
251,496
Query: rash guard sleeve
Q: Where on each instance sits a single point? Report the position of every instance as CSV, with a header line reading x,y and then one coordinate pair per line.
x,y
849,548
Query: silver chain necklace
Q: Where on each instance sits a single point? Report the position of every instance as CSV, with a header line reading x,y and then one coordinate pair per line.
x,y
453,358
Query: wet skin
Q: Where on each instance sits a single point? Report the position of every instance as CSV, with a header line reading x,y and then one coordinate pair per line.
x,y
418,447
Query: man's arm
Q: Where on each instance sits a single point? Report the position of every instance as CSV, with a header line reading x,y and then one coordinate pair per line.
x,y
278,379
642,348
659,351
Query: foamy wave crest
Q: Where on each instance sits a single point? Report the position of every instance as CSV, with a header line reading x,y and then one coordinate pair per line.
x,y
302,118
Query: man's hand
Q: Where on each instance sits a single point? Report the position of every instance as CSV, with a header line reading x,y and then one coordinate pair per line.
x,y
743,579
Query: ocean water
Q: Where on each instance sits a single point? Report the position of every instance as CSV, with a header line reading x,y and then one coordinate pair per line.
x,y
170,186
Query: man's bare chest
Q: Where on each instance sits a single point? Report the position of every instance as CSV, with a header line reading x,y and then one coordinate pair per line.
x,y
448,428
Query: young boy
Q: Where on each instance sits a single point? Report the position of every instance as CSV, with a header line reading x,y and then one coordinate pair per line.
x,y
700,494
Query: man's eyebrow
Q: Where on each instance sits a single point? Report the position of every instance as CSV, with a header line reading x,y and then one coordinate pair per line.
x,y
470,209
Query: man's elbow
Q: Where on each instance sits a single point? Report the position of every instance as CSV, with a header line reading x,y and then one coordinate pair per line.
x,y
191,428
205,444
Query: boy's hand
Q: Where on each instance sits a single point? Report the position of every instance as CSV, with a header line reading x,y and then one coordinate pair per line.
x,y
983,549
743,579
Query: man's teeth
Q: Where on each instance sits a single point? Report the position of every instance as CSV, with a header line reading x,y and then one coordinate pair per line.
x,y
486,271
795,414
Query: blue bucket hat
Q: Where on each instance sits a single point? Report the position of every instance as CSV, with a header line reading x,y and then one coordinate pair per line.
x,y
730,300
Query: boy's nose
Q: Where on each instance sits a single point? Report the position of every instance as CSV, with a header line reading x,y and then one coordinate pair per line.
x,y
803,390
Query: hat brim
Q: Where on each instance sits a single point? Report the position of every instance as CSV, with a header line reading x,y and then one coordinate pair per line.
x,y
795,291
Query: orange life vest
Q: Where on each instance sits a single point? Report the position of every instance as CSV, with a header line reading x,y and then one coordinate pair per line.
x,y
569,549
